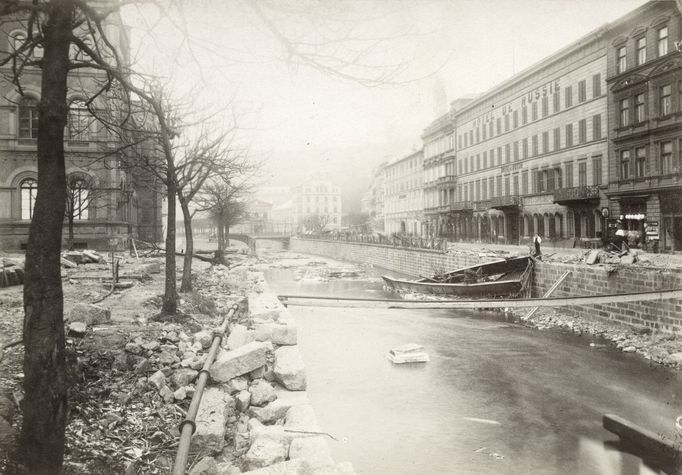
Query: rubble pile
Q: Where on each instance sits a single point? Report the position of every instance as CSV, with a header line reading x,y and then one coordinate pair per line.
x,y
11,272
72,259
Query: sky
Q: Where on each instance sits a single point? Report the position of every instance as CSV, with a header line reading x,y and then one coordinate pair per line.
x,y
325,120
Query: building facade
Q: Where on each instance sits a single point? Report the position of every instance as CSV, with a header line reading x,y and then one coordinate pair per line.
x,y
403,201
110,205
372,201
316,206
645,117
532,152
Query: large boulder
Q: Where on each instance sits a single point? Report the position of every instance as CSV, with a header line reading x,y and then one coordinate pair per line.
x,y
313,449
264,307
263,453
89,314
280,333
211,421
244,359
262,393
239,336
289,369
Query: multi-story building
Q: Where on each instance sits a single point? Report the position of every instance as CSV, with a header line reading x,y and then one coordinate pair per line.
x,y
439,176
112,205
316,203
372,202
403,201
644,77
532,151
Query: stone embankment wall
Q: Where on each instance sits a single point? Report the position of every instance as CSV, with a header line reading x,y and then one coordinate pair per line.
x,y
665,315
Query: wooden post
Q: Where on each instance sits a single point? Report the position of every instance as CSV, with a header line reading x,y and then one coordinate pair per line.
x,y
551,290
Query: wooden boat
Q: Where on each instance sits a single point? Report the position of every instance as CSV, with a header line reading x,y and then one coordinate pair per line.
x,y
505,277
408,353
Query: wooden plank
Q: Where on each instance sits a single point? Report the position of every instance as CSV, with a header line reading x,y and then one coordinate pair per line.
x,y
548,293
646,444
319,301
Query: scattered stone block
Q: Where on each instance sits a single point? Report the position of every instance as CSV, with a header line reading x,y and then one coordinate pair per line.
x,y
263,453
592,256
6,408
230,364
158,379
211,419
262,393
180,394
167,394
204,338
243,400
676,357
151,345
289,368
152,268
205,466
313,449
281,333
68,264
183,377
236,385
77,329
239,336
264,307
144,366
302,415
89,314
290,467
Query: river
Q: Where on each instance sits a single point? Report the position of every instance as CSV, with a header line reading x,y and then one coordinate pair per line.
x,y
496,398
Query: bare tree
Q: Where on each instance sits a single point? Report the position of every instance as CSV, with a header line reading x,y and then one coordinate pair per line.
x,y
315,222
83,196
224,203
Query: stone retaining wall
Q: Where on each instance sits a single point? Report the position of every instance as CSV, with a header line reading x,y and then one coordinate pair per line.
x,y
665,315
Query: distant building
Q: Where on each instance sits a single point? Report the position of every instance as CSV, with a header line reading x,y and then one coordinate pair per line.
x,y
372,202
316,204
116,204
404,198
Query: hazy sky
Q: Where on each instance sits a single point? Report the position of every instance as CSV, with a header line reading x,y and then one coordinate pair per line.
x,y
305,121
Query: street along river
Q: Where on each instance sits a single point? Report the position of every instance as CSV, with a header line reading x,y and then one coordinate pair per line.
x,y
496,398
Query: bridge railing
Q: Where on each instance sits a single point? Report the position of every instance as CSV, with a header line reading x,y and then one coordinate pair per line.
x,y
396,240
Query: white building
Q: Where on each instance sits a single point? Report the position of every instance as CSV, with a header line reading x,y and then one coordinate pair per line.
x,y
404,195
316,204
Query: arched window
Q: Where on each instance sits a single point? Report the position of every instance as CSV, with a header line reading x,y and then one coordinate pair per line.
x,y
79,121
16,40
28,190
28,118
78,195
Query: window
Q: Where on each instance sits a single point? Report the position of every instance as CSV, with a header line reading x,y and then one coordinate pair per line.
x,y
516,118
569,175
515,184
499,186
568,96
478,161
28,118
640,162
524,115
624,112
624,164
666,158
557,102
582,131
524,183
545,142
478,135
663,41
534,109
582,173
499,155
507,188
516,150
582,91
16,40
490,133
596,127
485,159
79,121
621,59
498,123
557,138
640,115
506,121
492,157
569,135
534,141
641,50
557,177
596,170
542,181
545,106
491,187
596,85
665,104
28,190
525,148
78,198
679,96
507,153
484,134
534,181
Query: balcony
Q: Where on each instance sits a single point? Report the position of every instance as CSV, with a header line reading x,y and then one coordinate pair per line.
x,y
505,202
450,179
577,193
461,206
482,205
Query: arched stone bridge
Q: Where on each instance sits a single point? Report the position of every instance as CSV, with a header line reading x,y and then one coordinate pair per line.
x,y
251,239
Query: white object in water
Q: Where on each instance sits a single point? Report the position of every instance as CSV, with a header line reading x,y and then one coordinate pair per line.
x,y
409,353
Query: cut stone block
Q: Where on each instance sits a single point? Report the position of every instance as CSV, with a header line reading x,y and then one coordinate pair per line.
x,y
302,417
244,359
263,453
289,368
290,467
278,408
265,307
89,314
239,336
279,333
211,420
313,449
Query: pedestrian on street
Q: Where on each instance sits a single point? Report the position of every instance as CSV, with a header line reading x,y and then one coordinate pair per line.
x,y
537,240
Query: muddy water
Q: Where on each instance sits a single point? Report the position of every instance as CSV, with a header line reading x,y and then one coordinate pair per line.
x,y
495,398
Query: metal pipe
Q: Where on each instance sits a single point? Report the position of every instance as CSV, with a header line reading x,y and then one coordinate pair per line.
x,y
188,426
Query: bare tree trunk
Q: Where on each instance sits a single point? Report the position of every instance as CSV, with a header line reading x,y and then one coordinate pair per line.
x,y
221,237
227,234
170,298
70,218
44,406
186,285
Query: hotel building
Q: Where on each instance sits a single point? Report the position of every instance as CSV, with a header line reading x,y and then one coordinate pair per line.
x,y
404,198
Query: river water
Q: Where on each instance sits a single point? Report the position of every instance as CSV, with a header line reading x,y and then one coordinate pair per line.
x,y
496,398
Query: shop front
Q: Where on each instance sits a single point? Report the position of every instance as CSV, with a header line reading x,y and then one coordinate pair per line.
x,y
671,222
633,220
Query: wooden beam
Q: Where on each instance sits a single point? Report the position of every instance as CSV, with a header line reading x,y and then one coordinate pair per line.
x,y
548,293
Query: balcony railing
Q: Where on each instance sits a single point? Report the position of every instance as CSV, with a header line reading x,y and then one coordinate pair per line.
x,y
576,193
513,201
481,205
461,206
447,179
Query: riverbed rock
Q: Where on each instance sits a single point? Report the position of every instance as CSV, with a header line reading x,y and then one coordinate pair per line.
x,y
262,393
211,421
6,408
243,400
158,379
90,314
77,329
289,368
239,336
313,449
244,359
183,377
236,385
264,307
205,466
263,453
167,394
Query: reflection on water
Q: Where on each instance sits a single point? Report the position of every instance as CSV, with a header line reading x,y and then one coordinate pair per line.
x,y
495,398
